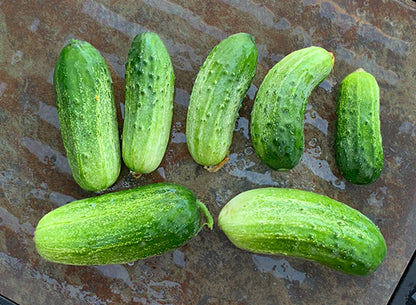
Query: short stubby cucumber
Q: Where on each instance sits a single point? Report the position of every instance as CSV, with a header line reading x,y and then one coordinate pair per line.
x,y
306,225
87,115
121,227
148,103
277,118
216,98
358,142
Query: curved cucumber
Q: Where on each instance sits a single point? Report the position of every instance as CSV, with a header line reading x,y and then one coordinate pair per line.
x,y
306,225
216,98
120,227
148,103
358,142
87,115
278,113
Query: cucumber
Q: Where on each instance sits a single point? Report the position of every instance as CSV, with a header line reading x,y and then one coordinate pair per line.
x,y
120,227
305,225
277,118
87,115
148,103
358,142
216,98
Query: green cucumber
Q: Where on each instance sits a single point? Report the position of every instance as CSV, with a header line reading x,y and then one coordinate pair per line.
x,y
305,225
216,98
148,103
121,227
358,142
87,115
277,118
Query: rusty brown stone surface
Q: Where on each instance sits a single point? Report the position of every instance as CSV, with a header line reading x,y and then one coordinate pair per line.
x,y
35,178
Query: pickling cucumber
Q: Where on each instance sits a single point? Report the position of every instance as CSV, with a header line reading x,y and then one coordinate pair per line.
x,y
148,103
121,227
306,225
87,115
216,98
358,142
277,118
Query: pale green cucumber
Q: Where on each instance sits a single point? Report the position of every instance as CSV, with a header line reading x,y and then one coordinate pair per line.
x,y
216,98
148,103
305,225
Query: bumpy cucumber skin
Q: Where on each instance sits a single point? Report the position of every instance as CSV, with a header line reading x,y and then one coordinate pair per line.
x,y
358,141
87,115
148,103
277,118
120,227
216,98
306,225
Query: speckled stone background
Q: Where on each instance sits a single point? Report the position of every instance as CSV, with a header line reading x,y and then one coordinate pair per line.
x,y
377,35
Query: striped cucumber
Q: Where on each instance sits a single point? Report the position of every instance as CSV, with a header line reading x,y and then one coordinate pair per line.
x,y
306,225
216,98
358,142
148,103
87,115
121,227
277,118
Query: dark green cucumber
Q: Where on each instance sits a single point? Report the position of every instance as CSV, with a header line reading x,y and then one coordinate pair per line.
x,y
87,115
148,103
216,98
121,227
277,118
306,225
358,142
